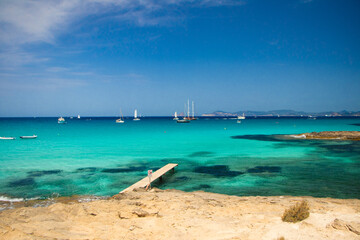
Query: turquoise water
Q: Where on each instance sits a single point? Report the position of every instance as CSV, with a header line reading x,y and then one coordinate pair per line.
x,y
96,156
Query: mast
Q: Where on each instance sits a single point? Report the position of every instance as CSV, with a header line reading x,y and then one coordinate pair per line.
x,y
193,109
184,110
188,113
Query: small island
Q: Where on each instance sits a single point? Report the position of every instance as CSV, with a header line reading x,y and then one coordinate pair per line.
x,y
330,135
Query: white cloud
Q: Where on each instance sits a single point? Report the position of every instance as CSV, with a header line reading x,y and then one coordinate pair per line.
x,y
15,56
29,21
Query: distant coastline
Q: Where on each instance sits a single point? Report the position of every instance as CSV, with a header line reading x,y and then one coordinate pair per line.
x,y
283,113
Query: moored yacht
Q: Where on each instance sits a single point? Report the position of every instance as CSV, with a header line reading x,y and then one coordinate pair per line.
x,y
241,117
121,119
61,120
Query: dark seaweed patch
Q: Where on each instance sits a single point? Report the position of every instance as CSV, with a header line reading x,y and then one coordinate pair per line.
x,y
218,171
169,160
261,137
22,182
87,169
182,178
204,186
349,149
123,170
355,124
264,169
201,154
42,173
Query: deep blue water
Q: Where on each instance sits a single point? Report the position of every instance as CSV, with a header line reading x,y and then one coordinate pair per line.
x,y
96,156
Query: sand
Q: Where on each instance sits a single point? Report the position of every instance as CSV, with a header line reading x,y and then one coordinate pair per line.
x,y
173,214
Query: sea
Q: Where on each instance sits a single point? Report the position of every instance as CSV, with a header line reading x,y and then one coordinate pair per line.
x,y
94,156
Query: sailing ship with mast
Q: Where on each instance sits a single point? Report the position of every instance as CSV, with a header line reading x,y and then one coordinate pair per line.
x,y
187,118
135,116
121,119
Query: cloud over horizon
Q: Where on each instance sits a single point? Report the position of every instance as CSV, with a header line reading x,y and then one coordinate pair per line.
x,y
25,21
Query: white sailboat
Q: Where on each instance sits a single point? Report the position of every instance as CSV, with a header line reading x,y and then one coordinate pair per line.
x,y
121,119
78,116
175,116
241,117
135,116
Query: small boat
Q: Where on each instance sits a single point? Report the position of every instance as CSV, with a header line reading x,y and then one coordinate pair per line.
x,y
175,116
121,119
61,120
241,117
7,138
135,116
28,137
78,116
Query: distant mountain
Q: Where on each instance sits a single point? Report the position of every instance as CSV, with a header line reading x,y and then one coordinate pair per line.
x,y
282,113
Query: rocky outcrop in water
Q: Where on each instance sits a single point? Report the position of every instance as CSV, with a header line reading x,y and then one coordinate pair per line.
x,y
331,135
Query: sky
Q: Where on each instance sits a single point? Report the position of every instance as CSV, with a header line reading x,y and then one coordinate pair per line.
x,y
95,57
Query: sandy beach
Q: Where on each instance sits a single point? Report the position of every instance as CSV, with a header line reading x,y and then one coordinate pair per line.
x,y
173,214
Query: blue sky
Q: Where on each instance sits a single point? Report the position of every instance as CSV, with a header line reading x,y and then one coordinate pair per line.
x,y
69,57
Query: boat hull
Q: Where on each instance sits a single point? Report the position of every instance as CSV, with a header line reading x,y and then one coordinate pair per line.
x,y
7,138
183,121
28,137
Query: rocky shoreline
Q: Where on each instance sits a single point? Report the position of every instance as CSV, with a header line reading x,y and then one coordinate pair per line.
x,y
173,214
330,135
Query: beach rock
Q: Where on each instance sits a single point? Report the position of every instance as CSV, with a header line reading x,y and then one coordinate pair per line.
x,y
342,225
184,215
140,213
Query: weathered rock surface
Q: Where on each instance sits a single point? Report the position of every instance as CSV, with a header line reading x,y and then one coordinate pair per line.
x,y
173,214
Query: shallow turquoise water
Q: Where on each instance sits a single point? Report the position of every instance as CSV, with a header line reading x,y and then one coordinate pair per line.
x,y
99,157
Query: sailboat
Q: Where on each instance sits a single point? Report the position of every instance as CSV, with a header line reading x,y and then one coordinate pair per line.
x,y
185,119
241,117
175,116
135,116
78,116
121,119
